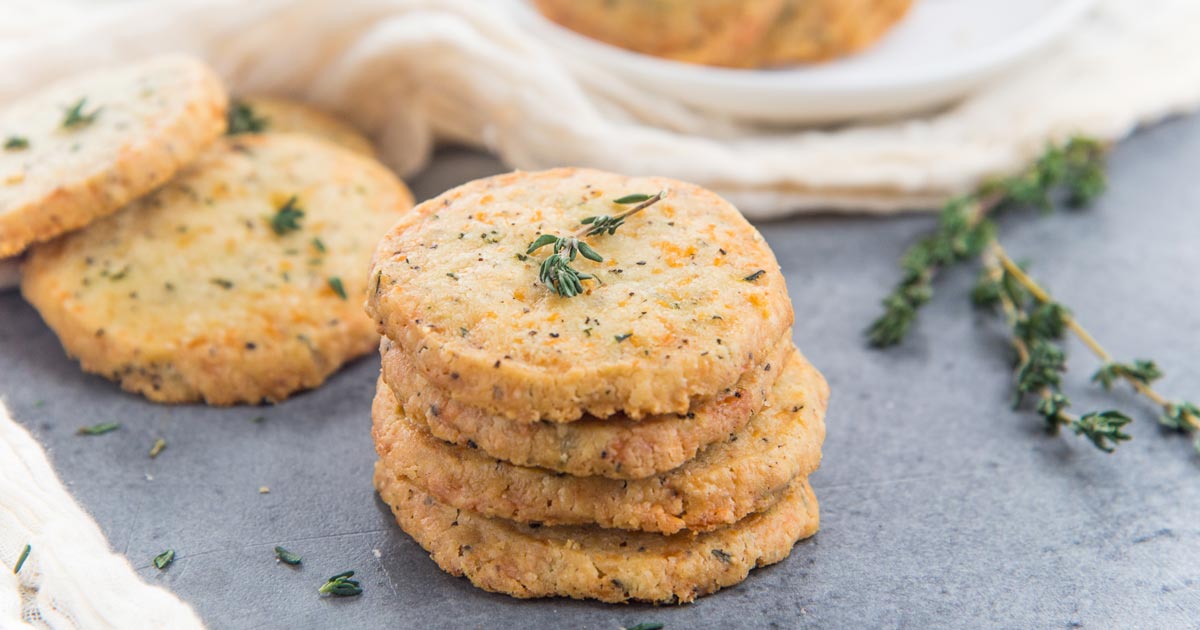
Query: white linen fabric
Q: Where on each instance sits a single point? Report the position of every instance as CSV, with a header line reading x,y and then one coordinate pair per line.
x,y
412,72
416,72
71,579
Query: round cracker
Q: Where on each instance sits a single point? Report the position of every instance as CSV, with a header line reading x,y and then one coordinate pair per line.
x,y
713,32
727,481
59,174
808,31
190,294
692,297
615,447
593,563
262,114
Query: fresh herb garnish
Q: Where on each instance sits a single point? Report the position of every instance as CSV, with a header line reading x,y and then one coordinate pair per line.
x,y
99,429
754,276
556,271
1072,173
335,283
162,560
224,283
621,338
341,585
158,447
646,625
21,559
318,244
287,217
16,143
75,117
287,557
242,119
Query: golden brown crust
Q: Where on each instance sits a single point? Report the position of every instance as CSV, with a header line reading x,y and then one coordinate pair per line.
x,y
729,33
692,297
712,32
591,563
730,479
284,116
154,117
189,294
614,447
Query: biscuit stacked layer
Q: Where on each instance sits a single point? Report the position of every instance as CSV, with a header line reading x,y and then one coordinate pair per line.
x,y
649,439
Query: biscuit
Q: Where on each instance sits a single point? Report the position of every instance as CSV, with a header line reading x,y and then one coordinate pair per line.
x,y
730,479
261,114
212,288
82,148
615,446
592,563
820,30
712,32
690,297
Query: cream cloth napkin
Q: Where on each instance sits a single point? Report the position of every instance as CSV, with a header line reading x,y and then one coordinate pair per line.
x,y
413,72
71,578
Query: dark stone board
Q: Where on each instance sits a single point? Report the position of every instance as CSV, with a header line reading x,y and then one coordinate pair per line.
x,y
941,508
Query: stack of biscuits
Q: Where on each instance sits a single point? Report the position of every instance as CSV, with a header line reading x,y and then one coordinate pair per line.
x,y
648,438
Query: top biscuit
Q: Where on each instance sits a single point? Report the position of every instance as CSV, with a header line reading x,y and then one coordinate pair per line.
x,y
690,297
83,147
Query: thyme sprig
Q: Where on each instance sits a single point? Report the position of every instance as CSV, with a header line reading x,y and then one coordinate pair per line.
x,y
556,271
1070,174
1073,172
341,585
1140,374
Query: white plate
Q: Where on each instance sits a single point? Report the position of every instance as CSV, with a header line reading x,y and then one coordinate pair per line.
x,y
938,53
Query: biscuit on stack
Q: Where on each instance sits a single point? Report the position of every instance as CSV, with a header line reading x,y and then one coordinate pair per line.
x,y
649,439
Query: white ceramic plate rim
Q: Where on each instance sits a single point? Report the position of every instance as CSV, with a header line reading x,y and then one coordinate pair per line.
x,y
981,61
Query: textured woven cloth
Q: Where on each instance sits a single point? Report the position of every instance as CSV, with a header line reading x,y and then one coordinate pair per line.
x,y
70,578
415,72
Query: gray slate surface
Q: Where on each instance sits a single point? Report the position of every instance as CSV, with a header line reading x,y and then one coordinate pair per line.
x,y
940,508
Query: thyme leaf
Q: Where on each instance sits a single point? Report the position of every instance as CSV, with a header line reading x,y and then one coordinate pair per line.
x,y
335,283
287,557
287,218
22,558
242,119
74,115
99,429
341,585
164,559
16,143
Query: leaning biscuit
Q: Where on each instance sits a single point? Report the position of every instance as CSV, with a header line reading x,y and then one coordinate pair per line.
x,y
746,474
592,563
615,446
691,297
261,114
82,148
216,287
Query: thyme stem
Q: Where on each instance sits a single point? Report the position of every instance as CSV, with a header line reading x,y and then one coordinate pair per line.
x,y
1089,340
